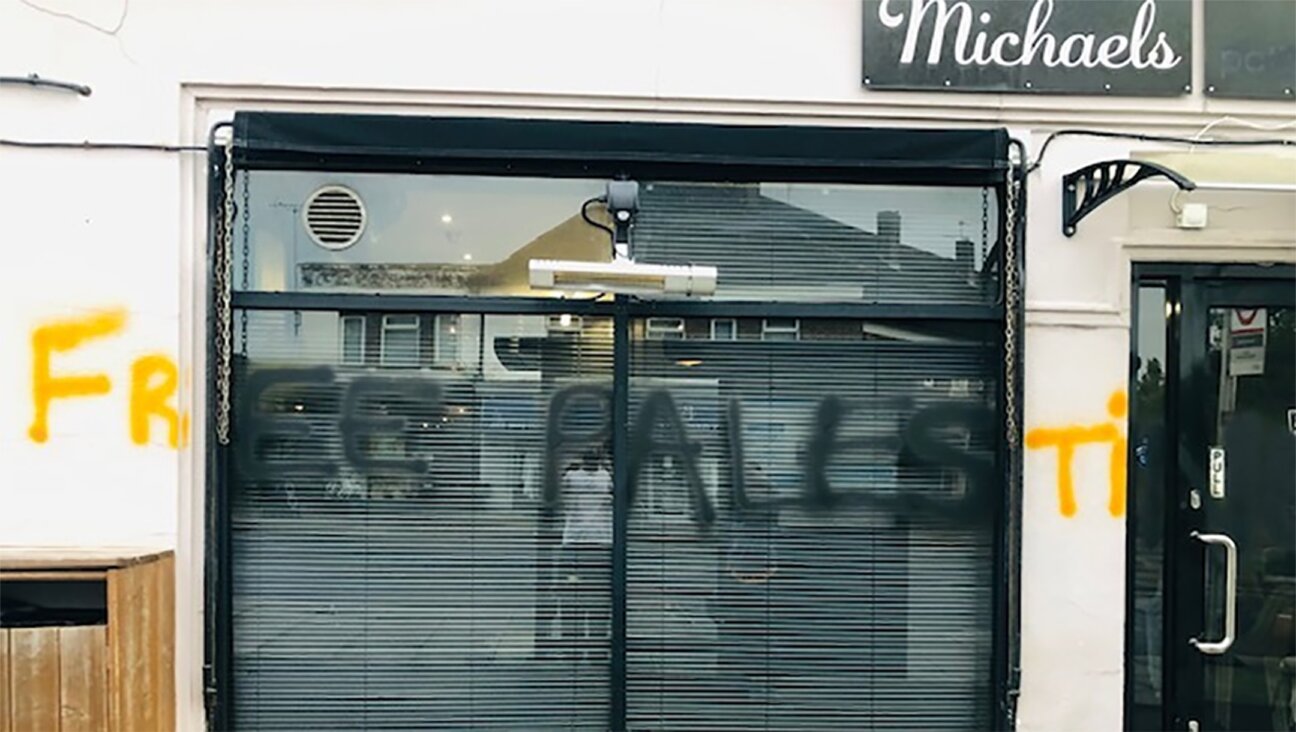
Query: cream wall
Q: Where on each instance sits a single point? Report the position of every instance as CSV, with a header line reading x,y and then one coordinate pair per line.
x,y
95,232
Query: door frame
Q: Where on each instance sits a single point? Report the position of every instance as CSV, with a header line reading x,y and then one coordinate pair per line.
x,y
1207,284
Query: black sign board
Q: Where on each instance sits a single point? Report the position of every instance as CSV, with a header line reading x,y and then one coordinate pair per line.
x,y
1251,49
1127,47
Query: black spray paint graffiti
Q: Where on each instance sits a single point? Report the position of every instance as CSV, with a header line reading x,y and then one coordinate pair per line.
x,y
922,445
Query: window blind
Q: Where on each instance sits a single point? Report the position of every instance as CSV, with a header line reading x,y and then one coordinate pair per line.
x,y
420,503
811,544
394,561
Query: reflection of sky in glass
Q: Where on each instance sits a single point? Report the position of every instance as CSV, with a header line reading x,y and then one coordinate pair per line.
x,y
1151,326
931,218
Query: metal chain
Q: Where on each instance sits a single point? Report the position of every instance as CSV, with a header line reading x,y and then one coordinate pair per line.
x,y
1011,298
985,222
247,236
223,272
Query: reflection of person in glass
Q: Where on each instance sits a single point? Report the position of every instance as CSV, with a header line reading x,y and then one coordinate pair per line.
x,y
587,503
587,534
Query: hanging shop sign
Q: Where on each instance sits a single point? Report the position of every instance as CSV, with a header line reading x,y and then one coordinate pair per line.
x,y
1119,47
1246,341
1251,49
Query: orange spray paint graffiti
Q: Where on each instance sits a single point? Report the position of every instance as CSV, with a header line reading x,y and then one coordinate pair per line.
x,y
1067,439
148,399
60,336
153,382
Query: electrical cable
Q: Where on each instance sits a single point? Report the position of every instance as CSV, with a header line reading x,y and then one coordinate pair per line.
x,y
1146,138
585,214
1174,201
1243,123
87,145
39,82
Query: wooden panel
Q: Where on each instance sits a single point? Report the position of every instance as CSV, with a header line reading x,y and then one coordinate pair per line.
x,y
141,610
5,707
58,575
150,622
166,643
34,683
51,559
83,678
127,643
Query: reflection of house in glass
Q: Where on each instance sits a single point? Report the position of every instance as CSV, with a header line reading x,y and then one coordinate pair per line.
x,y
764,248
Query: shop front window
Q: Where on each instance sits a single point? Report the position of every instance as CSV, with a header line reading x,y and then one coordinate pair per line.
x,y
458,500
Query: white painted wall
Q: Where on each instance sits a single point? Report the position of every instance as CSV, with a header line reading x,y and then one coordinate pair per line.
x,y
86,231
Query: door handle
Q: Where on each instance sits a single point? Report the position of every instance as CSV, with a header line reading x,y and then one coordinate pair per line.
x,y
1215,648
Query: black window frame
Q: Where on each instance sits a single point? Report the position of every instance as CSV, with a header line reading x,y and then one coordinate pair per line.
x,y
640,150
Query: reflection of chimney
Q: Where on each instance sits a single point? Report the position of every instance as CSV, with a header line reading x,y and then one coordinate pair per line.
x,y
888,229
888,226
964,255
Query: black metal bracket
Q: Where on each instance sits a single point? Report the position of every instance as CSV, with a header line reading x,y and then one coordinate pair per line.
x,y
1103,181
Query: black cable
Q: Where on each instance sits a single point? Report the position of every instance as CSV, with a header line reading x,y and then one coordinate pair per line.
x,y
1145,138
87,145
39,82
592,222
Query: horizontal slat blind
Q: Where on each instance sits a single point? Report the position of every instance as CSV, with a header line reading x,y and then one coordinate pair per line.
x,y
393,564
869,607
420,502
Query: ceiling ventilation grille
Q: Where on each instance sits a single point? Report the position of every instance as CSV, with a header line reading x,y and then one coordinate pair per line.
x,y
334,217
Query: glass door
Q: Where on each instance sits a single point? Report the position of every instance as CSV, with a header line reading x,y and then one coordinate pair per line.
x,y
1233,535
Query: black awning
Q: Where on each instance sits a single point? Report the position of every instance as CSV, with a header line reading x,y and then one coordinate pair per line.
x,y
649,151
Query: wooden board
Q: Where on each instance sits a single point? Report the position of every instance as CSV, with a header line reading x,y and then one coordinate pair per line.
x,y
83,678
141,643
45,559
5,706
58,575
165,590
34,678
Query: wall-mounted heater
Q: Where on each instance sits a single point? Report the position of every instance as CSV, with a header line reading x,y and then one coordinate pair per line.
x,y
623,276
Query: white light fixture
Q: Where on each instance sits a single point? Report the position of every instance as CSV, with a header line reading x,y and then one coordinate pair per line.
x,y
623,276
446,218
467,257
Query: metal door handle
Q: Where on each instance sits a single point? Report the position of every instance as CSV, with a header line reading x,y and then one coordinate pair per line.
x,y
1215,648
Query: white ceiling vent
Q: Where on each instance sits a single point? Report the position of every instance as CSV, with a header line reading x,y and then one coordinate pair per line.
x,y
334,216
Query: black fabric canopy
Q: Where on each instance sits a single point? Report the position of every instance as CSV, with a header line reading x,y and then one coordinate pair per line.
x,y
653,151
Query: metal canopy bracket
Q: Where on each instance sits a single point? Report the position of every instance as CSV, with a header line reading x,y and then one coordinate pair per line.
x,y
1103,181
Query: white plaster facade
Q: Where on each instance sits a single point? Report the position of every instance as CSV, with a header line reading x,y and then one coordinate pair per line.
x,y
93,230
